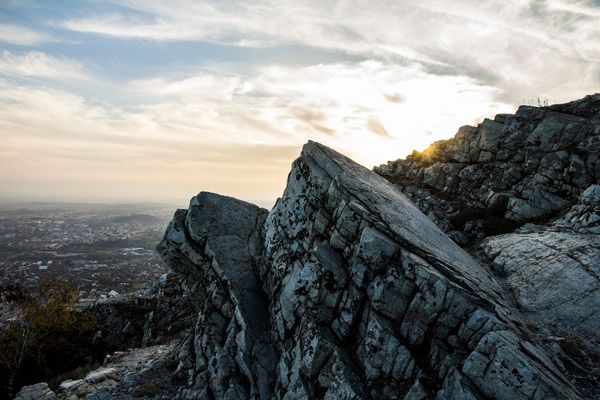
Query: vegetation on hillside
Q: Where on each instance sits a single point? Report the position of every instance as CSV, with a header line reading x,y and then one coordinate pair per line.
x,y
44,338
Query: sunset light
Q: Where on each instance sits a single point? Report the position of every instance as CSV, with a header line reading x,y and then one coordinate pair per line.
x,y
221,97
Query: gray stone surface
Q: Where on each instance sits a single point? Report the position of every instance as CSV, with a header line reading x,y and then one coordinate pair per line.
x,y
553,272
39,391
555,276
143,373
344,290
100,394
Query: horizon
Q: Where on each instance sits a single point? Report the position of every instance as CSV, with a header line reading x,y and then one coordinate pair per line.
x,y
150,101
8,204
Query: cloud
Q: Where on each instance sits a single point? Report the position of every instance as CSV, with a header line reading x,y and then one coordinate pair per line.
x,y
545,48
585,8
55,144
267,23
205,86
394,97
341,104
375,126
117,25
228,132
405,74
40,65
22,36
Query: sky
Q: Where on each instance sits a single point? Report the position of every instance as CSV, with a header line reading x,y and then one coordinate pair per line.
x,y
131,100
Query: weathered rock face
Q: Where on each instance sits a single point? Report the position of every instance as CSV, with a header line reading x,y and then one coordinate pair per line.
x,y
39,391
216,245
553,272
143,373
344,290
513,169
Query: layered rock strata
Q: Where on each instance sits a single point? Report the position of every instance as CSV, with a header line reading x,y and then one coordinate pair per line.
x,y
554,270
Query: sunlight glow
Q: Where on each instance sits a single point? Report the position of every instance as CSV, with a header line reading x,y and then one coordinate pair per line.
x,y
146,99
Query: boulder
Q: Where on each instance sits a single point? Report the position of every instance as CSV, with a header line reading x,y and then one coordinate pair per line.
x,y
554,269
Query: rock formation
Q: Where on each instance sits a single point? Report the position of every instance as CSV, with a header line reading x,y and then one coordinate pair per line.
x,y
39,391
344,290
534,177
526,167
554,270
347,289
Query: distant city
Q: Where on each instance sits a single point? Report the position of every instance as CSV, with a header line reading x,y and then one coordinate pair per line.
x,y
102,250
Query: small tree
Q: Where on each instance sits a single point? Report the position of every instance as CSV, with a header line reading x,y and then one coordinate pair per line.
x,y
40,317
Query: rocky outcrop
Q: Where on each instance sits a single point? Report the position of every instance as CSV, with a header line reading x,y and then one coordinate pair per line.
x,y
347,290
216,246
489,179
533,177
155,314
144,373
344,290
553,272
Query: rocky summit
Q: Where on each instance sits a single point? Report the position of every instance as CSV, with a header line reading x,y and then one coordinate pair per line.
x,y
345,290
467,271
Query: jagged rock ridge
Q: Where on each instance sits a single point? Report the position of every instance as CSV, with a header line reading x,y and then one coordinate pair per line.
x,y
489,179
344,290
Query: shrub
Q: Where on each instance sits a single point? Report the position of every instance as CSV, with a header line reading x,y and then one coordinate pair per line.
x,y
45,322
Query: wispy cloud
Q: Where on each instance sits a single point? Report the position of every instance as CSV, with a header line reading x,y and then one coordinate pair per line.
x,y
585,8
528,48
210,124
40,65
221,95
253,24
23,36
57,145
